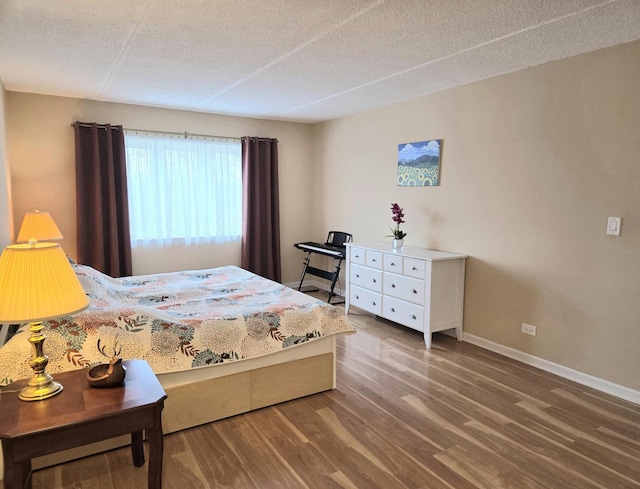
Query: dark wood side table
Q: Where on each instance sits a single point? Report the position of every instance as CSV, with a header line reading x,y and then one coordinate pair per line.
x,y
79,415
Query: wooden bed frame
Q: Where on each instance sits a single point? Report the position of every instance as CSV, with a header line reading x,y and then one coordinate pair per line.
x,y
206,394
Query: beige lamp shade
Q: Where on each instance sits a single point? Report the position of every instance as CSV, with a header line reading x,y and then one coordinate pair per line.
x,y
38,283
39,226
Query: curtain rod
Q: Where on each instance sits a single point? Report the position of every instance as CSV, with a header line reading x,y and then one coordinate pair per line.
x,y
99,126
184,134
259,139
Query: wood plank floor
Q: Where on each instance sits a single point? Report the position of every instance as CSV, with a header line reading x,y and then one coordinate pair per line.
x,y
454,417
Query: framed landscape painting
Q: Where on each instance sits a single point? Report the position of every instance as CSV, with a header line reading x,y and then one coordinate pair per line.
x,y
419,163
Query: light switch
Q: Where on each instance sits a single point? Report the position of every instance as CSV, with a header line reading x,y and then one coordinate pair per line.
x,y
613,226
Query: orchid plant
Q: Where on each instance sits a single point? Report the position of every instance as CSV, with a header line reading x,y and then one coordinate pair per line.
x,y
398,218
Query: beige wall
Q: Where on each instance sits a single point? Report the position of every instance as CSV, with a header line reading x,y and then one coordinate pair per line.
x,y
41,152
533,163
6,221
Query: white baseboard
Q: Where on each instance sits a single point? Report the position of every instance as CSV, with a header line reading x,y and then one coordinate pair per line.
x,y
620,391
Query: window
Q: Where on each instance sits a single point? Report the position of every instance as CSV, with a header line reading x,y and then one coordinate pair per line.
x,y
183,190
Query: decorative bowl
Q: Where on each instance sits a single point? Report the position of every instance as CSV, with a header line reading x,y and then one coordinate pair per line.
x,y
107,374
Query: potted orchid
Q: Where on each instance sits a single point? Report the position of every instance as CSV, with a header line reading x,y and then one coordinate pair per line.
x,y
398,235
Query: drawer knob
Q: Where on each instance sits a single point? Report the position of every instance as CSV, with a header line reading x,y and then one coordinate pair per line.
x,y
373,280
373,260
392,309
357,275
413,268
413,316
393,264
357,256
356,297
373,302
414,291
393,286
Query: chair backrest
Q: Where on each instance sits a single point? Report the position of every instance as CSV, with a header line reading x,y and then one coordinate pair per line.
x,y
338,238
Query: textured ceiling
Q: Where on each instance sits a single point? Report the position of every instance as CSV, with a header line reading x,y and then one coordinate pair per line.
x,y
297,60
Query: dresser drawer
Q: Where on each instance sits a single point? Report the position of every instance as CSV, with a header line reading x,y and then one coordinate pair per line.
x,y
405,288
392,263
368,278
405,313
373,259
416,268
357,255
365,299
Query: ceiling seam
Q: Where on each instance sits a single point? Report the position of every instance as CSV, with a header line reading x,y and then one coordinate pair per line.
x,y
126,47
294,51
449,56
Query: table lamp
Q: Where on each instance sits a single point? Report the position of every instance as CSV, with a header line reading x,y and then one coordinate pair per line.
x,y
37,283
40,226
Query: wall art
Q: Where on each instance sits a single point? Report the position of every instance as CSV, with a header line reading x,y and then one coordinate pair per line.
x,y
419,163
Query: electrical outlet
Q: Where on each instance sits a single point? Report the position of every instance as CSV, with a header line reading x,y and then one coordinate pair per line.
x,y
528,329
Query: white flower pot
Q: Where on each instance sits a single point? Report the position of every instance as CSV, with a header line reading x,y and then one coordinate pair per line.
x,y
397,243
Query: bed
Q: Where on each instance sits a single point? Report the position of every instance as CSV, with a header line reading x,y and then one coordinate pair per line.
x,y
222,341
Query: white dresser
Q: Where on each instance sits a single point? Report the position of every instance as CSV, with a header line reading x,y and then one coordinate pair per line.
x,y
418,288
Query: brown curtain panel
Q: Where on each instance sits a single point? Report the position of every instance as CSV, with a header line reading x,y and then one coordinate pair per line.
x,y
260,207
101,199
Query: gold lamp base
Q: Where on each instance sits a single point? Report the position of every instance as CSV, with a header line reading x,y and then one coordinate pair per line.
x,y
37,390
41,386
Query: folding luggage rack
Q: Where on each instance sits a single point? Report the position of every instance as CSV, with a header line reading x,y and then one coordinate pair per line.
x,y
333,247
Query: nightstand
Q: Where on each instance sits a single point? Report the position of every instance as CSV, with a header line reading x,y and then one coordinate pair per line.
x,y
80,415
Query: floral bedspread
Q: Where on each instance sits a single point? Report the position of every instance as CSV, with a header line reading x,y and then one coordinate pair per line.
x,y
176,321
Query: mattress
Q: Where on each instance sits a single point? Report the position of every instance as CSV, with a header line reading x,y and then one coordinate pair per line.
x,y
176,321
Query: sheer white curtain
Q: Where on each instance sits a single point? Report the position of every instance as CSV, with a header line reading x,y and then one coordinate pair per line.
x,y
183,190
